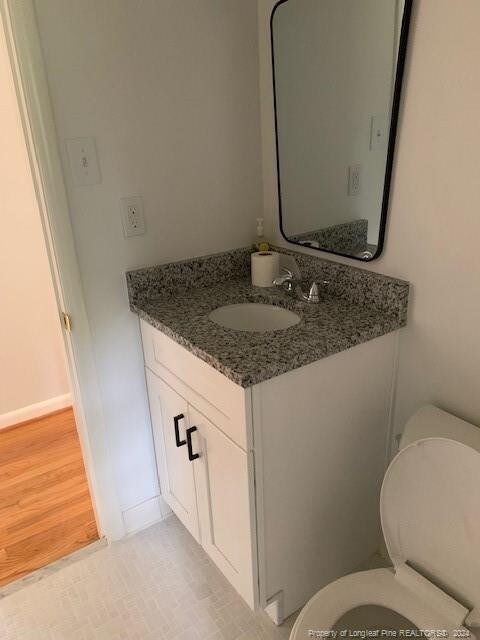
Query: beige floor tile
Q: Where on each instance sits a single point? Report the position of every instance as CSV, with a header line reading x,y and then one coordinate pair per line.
x,y
156,585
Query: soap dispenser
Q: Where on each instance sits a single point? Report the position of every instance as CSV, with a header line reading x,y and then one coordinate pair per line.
x,y
261,243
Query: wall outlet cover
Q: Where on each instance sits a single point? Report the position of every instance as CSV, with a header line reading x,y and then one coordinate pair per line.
x,y
354,179
133,217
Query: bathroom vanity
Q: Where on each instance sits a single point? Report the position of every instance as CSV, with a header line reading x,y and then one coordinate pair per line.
x,y
271,446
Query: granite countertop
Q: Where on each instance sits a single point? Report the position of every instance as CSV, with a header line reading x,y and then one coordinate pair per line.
x,y
177,299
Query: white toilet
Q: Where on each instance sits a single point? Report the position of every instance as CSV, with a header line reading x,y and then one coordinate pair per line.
x,y
430,513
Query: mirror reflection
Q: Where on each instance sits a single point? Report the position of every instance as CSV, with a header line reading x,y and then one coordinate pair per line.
x,y
335,66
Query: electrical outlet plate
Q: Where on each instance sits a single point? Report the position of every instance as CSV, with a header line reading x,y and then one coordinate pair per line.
x,y
133,217
354,179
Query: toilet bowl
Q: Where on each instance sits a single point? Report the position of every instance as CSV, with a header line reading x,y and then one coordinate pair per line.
x,y
430,515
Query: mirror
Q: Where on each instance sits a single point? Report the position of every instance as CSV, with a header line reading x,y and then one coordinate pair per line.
x,y
337,69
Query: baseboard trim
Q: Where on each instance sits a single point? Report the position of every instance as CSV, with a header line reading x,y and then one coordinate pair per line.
x,y
145,514
36,410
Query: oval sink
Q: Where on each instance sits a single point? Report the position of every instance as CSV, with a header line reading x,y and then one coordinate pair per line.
x,y
251,316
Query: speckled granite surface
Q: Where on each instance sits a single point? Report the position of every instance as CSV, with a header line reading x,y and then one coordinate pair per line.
x,y
357,306
348,237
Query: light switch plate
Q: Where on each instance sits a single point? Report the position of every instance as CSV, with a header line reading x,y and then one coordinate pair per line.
x,y
133,217
82,155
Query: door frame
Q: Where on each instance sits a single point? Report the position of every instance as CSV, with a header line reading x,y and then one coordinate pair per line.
x,y
27,63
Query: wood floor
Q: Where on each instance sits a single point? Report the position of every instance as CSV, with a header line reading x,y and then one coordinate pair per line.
x,y
45,506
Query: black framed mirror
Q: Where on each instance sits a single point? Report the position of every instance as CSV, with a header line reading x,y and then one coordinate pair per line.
x,y
337,79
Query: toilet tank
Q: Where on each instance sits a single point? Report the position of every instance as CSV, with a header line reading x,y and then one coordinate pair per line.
x,y
431,422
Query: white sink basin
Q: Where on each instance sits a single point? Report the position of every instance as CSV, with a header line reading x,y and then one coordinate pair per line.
x,y
251,316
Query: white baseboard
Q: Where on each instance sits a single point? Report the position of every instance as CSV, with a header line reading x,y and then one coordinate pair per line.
x,y
145,514
36,410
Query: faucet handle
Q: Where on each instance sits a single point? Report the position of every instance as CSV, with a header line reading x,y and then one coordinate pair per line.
x,y
287,272
286,276
314,294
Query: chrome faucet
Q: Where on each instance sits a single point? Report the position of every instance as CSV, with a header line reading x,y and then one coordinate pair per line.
x,y
287,280
291,285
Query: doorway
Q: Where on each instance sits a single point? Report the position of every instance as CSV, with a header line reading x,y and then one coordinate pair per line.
x,y
46,510
33,99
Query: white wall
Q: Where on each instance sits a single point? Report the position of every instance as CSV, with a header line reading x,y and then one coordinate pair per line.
x,y
176,120
434,220
169,90
334,71
32,358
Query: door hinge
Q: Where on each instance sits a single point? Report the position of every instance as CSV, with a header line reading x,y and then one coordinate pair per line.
x,y
67,321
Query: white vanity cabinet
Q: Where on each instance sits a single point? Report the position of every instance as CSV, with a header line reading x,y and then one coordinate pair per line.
x,y
169,413
204,465
284,494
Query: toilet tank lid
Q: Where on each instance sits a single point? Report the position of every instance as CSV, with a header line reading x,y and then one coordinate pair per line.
x,y
430,512
431,422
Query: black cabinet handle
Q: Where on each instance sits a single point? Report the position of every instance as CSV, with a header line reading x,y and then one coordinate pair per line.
x,y
191,455
176,420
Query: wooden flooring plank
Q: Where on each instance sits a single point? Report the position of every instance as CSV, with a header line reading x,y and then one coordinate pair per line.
x,y
40,442
26,490
18,521
42,524
40,550
37,431
38,464
45,506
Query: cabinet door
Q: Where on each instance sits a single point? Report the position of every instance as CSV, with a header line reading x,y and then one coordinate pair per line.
x,y
169,413
224,508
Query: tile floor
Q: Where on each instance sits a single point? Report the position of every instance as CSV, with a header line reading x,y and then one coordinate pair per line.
x,y
156,585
